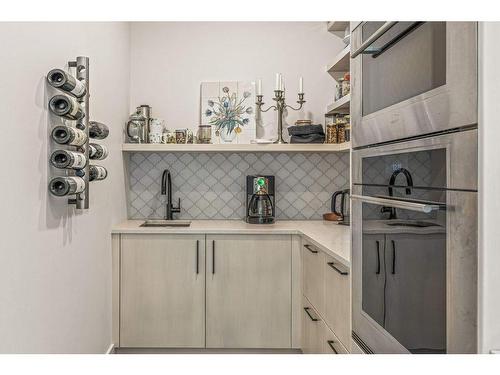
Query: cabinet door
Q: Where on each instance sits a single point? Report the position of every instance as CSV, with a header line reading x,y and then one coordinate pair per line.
x,y
162,291
416,290
313,276
313,329
338,299
248,291
373,276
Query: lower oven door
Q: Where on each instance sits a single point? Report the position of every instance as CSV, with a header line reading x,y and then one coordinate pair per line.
x,y
414,248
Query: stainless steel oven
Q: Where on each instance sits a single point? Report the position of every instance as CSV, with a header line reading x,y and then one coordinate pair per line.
x,y
412,78
414,255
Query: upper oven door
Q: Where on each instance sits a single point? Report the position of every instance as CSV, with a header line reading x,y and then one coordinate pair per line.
x,y
411,79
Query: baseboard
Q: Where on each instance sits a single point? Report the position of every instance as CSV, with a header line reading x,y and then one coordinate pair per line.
x,y
111,349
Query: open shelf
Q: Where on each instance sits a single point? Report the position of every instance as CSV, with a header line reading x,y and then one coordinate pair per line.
x,y
336,26
340,106
341,64
295,147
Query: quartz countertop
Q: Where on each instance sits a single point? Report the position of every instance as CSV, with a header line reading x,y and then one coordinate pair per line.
x,y
332,238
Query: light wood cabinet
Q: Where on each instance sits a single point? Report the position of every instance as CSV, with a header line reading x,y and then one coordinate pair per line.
x,y
162,290
313,329
248,291
313,281
337,299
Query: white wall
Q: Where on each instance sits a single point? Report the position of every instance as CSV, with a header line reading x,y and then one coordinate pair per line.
x,y
169,60
54,263
489,187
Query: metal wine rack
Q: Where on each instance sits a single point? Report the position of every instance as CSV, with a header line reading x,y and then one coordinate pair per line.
x,y
81,68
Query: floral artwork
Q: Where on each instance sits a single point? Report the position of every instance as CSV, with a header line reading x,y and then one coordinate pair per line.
x,y
229,108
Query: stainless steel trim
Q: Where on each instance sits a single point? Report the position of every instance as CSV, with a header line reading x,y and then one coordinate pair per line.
x,y
412,206
373,38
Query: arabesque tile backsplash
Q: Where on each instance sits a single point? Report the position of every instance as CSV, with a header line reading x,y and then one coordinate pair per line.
x,y
212,185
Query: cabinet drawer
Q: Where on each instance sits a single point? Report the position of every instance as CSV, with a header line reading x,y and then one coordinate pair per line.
x,y
313,329
337,299
313,275
331,343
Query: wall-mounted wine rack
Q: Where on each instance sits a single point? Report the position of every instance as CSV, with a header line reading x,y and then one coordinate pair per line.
x,y
73,106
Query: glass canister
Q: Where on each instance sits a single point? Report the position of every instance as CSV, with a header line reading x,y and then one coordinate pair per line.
x,y
341,131
338,91
346,87
180,136
204,134
331,133
347,119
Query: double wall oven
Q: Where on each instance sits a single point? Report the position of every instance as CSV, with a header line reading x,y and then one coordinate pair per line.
x,y
414,187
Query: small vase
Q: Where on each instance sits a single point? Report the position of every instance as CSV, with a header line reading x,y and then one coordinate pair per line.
x,y
227,137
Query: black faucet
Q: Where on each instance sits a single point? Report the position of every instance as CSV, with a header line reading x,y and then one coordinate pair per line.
x,y
409,184
166,189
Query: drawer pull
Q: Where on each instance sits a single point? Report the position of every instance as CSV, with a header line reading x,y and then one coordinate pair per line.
x,y
213,257
377,272
306,309
330,344
197,256
308,247
343,273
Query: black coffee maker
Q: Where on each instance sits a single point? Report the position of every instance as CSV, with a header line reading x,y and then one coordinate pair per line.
x,y
260,203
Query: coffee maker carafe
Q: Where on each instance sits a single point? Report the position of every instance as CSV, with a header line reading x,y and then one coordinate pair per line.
x,y
260,202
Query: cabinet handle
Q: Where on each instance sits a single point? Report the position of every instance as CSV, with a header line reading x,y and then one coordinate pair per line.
x,y
393,257
197,256
306,309
343,273
308,247
378,258
213,256
330,344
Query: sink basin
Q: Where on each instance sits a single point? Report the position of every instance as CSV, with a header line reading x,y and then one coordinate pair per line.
x,y
165,223
411,223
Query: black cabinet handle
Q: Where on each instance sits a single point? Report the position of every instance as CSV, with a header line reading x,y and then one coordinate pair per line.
x,y
343,273
213,256
393,257
306,309
197,256
308,247
378,258
330,344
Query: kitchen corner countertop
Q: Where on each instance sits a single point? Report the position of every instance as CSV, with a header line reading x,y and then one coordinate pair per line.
x,y
330,237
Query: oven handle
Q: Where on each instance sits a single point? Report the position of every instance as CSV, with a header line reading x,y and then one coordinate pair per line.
x,y
373,38
412,206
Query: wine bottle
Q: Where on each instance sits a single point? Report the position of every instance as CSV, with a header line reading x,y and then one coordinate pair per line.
x,y
98,130
67,135
62,80
61,186
97,173
97,152
68,159
66,106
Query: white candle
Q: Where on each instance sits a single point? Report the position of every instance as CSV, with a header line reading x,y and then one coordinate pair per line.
x,y
278,78
259,87
282,84
301,85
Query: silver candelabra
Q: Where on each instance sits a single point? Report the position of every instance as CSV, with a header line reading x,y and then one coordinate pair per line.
x,y
279,98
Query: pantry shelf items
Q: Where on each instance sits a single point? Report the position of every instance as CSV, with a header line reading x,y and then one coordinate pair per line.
x,y
71,107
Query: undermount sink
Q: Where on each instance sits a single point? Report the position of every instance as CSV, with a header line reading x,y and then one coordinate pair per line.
x,y
165,223
411,223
